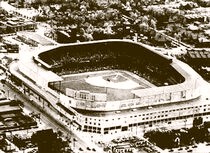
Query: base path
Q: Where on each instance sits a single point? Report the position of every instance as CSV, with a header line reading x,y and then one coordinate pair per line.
x,y
101,82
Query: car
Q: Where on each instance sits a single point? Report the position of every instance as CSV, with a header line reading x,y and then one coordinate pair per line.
x,y
80,149
189,150
150,107
88,148
3,81
180,148
171,150
186,148
33,151
93,149
30,145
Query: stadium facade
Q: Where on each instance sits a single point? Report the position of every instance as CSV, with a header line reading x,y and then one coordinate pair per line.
x,y
109,87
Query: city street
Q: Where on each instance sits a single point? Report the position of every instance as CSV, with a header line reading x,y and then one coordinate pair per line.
x,y
77,144
198,148
110,76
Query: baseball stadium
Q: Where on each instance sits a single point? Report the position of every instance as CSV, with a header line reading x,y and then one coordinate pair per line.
x,y
111,86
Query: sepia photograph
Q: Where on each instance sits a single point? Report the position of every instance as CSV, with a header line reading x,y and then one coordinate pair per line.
x,y
104,76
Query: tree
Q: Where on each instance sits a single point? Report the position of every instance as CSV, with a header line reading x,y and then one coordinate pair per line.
x,y
47,141
197,121
163,139
21,3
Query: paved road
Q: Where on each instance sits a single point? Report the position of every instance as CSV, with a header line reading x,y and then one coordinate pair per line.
x,y
200,148
76,142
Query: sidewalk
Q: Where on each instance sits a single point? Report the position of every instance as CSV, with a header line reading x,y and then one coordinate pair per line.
x,y
53,112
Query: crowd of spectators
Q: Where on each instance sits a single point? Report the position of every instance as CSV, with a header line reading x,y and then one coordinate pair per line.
x,y
108,56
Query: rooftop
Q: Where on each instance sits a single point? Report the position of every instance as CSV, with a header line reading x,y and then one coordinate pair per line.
x,y
35,37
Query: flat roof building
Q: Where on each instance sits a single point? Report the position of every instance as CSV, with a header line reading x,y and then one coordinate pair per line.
x,y
111,87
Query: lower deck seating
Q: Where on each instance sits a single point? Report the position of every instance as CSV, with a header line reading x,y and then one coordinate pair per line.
x,y
106,56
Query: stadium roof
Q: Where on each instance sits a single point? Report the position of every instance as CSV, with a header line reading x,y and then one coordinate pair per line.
x,y
48,76
47,55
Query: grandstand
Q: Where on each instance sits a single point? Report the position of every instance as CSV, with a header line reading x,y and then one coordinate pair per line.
x,y
108,56
133,62
96,74
108,87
